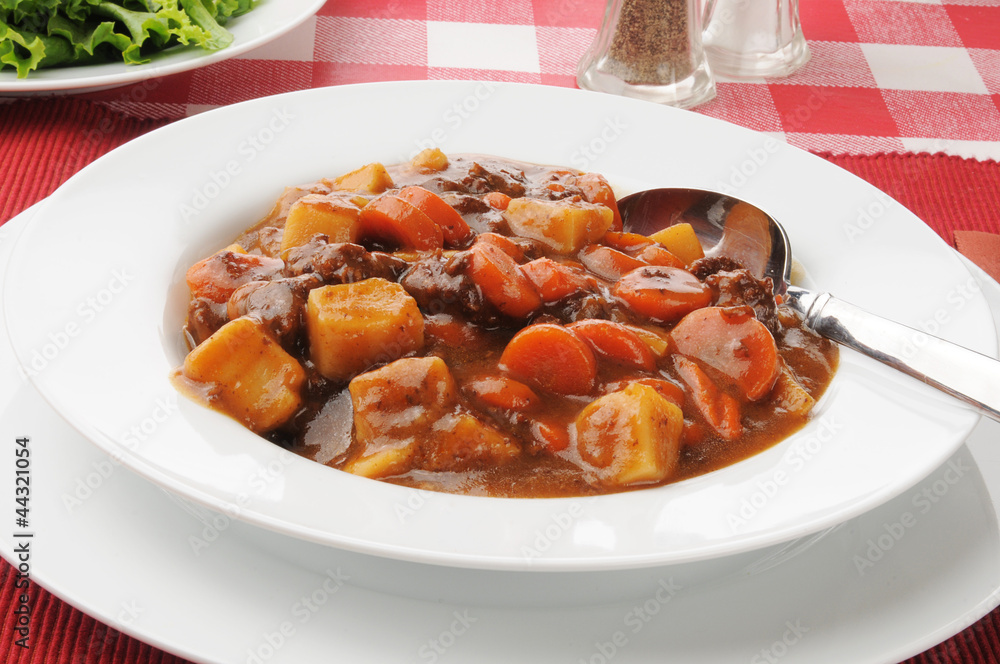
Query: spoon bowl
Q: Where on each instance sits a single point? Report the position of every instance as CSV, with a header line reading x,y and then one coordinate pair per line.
x,y
726,226
736,229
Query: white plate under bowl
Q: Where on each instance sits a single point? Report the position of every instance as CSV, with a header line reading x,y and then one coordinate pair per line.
x,y
266,22
95,296
873,591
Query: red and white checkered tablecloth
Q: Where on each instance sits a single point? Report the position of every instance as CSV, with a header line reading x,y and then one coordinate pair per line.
x,y
885,75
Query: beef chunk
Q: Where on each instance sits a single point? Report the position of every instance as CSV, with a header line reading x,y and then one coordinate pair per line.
x,y
465,204
739,287
580,306
440,286
342,263
482,180
704,267
278,304
204,318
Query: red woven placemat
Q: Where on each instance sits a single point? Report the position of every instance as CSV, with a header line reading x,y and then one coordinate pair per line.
x,y
43,142
948,193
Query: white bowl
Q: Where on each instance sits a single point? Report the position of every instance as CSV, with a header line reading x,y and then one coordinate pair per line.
x,y
95,298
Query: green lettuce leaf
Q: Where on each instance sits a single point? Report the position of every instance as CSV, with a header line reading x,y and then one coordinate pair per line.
x,y
83,38
22,50
218,36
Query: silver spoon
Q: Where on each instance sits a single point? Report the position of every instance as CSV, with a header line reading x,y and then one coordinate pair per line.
x,y
739,230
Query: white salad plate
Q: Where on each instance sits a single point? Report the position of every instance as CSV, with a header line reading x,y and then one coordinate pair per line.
x,y
266,22
117,238
874,590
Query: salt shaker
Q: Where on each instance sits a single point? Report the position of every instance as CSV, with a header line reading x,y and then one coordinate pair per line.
x,y
754,38
649,49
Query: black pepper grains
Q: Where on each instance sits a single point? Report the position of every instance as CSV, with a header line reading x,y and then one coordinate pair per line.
x,y
650,49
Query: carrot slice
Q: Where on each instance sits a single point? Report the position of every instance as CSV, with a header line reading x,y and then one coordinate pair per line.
x,y
501,281
552,358
607,262
390,218
497,200
693,433
553,437
662,293
452,224
217,277
655,255
615,342
553,280
670,391
503,243
734,343
642,248
720,410
502,392
630,243
452,331
597,190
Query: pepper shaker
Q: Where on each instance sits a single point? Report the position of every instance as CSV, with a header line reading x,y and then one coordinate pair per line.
x,y
649,49
754,38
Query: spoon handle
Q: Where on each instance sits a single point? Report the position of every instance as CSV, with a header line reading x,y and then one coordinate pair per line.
x,y
965,374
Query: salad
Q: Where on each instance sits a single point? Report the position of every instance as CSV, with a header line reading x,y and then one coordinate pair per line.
x,y
39,34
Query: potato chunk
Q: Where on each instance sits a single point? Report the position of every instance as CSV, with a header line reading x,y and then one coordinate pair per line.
x,y
789,395
630,436
353,326
394,407
460,441
429,160
369,179
405,419
333,216
681,241
249,376
565,226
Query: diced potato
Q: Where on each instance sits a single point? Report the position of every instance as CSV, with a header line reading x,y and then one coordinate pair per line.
x,y
404,418
369,179
235,248
565,226
631,436
353,326
400,398
789,395
249,376
681,241
384,462
333,216
288,198
430,160
460,441
597,190
394,409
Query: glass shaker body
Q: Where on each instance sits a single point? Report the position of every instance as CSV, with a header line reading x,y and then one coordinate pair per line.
x,y
754,38
649,49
